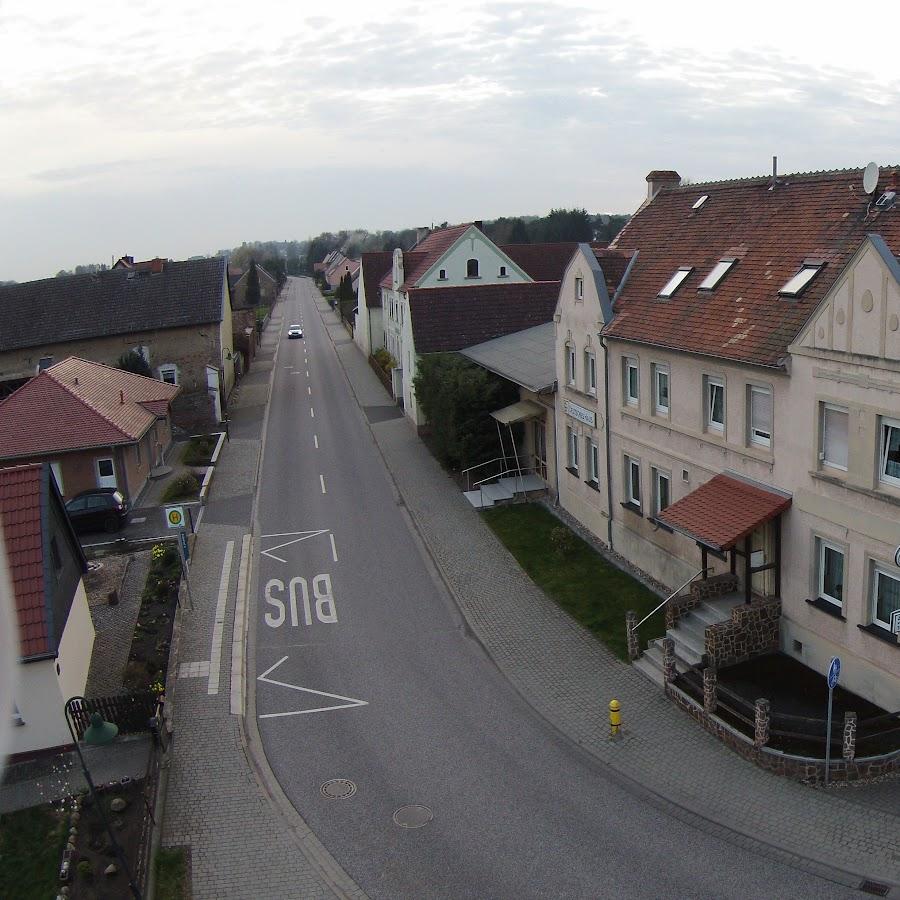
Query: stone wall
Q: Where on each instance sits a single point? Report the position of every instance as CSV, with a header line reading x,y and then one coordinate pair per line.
x,y
698,591
752,631
799,768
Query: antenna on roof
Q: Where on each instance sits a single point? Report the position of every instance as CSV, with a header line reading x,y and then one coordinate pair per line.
x,y
774,172
870,178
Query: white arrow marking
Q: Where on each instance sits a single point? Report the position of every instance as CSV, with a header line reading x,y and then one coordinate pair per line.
x,y
351,701
303,536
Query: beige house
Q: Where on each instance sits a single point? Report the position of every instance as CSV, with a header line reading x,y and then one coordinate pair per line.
x,y
176,315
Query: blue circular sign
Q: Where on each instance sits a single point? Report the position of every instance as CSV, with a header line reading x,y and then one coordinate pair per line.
x,y
834,672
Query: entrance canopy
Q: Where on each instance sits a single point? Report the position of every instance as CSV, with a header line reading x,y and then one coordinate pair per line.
x,y
518,412
724,511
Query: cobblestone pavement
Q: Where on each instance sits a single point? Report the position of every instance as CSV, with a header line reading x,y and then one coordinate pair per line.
x,y
114,629
569,677
241,845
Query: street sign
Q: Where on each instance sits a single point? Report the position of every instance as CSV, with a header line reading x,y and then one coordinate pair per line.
x,y
895,622
175,516
834,672
185,552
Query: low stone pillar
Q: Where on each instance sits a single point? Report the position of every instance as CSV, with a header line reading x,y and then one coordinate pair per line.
x,y
631,636
849,735
669,670
710,692
761,725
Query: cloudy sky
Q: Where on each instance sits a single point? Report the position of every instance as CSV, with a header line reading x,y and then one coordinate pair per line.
x,y
179,128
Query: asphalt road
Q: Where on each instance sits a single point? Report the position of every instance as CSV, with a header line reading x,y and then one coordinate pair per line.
x,y
369,675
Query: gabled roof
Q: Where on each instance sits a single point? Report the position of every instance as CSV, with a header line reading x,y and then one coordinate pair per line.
x,y
418,260
118,301
821,216
374,267
77,404
445,319
26,493
542,262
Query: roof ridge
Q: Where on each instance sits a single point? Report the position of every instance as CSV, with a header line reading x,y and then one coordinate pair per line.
x,y
810,175
84,401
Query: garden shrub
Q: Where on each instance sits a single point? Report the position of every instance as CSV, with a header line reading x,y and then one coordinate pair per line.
x,y
186,485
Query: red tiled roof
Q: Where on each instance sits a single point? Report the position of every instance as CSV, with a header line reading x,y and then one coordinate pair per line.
x,y
770,232
445,319
542,262
78,403
614,264
723,511
374,268
20,510
418,261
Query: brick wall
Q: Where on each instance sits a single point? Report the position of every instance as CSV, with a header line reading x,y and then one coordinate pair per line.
x,y
752,631
698,591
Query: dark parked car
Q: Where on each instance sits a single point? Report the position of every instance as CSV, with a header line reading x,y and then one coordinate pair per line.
x,y
102,509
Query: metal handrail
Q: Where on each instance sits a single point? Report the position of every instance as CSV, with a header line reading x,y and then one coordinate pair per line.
x,y
517,471
677,591
467,472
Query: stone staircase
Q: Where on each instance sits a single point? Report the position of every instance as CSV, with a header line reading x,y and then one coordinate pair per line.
x,y
504,489
688,630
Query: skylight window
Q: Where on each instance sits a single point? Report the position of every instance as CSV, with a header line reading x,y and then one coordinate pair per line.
x,y
797,284
700,202
717,273
674,282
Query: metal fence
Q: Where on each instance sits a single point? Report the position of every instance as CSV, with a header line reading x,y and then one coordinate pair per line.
x,y
131,712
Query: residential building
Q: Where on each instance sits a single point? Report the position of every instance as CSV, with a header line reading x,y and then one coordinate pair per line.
x,y
56,635
244,315
177,315
369,329
95,426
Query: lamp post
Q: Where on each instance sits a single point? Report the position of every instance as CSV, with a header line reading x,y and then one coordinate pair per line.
x,y
99,733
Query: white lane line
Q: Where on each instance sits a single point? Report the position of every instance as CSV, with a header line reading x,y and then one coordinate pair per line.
x,y
322,482
215,656
237,634
307,373
308,389
316,441
312,413
333,548
137,520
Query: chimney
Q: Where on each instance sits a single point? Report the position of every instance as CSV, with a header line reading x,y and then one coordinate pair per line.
x,y
121,396
479,224
421,234
157,265
659,179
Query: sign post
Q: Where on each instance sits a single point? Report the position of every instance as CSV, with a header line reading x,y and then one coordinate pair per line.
x,y
175,518
834,673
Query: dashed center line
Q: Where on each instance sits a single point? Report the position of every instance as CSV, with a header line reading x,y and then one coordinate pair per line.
x,y
322,482
316,441
333,548
309,390
312,413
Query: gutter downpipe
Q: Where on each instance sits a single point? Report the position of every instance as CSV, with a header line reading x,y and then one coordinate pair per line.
x,y
609,523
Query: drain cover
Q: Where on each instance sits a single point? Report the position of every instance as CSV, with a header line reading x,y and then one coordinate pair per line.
x,y
338,789
413,816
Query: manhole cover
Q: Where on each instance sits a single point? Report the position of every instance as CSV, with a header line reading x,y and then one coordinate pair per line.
x,y
338,789
413,816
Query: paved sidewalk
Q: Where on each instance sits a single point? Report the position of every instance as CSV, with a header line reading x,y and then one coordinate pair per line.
x,y
569,677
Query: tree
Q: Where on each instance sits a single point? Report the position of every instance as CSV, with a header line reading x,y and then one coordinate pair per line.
x,y
132,361
519,233
346,299
566,225
457,398
251,297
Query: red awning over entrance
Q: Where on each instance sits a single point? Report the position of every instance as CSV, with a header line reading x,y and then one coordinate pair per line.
x,y
723,511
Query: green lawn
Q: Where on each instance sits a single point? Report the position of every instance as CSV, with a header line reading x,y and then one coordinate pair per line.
x,y
171,873
31,846
591,590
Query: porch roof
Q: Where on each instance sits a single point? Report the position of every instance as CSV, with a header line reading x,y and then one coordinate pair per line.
x,y
518,412
526,357
723,511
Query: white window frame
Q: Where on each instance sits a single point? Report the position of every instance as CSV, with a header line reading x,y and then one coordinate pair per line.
x,y
168,368
821,546
711,423
590,372
886,426
758,437
579,288
632,364
572,444
660,475
593,460
658,371
880,571
716,274
798,283
502,273
632,465
672,285
570,364
823,457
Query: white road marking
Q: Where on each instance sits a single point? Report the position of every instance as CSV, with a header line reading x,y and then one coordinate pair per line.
x,y
349,704
215,657
307,373
308,389
237,634
298,537
333,548
135,520
316,441
312,413
322,482
194,669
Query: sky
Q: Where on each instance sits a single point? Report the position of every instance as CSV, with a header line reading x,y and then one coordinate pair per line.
x,y
182,128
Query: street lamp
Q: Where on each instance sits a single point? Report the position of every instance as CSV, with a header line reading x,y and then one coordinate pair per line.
x,y
98,733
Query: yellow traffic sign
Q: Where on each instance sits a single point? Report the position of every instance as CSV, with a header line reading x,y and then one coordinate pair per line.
x,y
175,516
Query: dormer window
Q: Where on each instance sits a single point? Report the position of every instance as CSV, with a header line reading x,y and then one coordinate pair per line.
x,y
717,273
472,268
502,273
442,274
798,284
674,282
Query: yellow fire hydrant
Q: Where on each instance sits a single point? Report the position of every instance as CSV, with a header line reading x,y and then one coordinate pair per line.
x,y
615,717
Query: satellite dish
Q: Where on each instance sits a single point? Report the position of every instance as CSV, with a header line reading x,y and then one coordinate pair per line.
x,y
870,178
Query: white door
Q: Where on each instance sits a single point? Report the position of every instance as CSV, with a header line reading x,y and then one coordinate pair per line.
x,y
212,385
106,473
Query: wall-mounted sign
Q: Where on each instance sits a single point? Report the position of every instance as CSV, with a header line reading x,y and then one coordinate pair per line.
x,y
580,413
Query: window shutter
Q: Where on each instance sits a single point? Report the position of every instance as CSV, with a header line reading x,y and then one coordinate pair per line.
x,y
761,411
